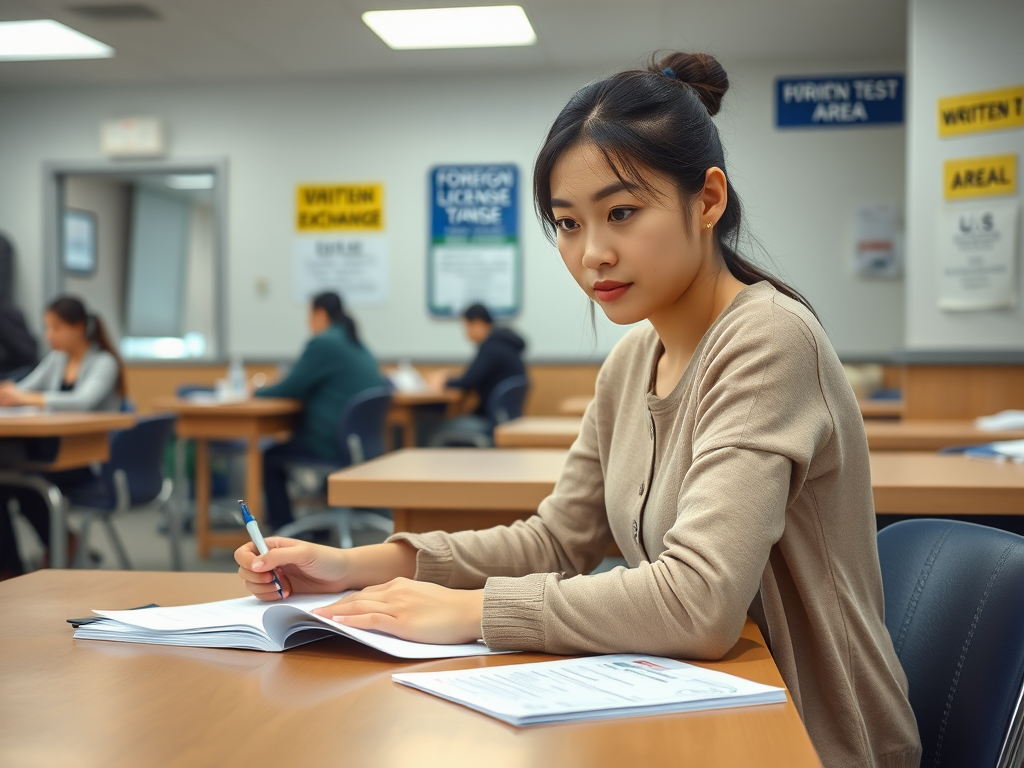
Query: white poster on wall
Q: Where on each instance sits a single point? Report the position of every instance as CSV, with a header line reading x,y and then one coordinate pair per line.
x,y
356,266
462,275
977,257
876,240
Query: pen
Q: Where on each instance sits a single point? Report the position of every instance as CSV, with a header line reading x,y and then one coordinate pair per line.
x,y
257,538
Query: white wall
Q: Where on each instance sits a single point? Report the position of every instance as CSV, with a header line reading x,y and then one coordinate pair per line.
x,y
799,189
955,48
102,291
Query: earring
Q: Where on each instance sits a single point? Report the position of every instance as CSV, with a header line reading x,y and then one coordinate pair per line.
x,y
709,225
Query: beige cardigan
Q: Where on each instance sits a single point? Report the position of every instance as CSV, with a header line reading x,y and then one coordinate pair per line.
x,y
747,488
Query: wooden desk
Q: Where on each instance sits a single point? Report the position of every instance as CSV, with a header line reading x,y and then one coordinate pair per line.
x,y
457,489
101,704
451,489
248,420
575,406
82,439
929,435
881,409
929,484
403,410
538,432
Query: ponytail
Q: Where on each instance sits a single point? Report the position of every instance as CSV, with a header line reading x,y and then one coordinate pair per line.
x,y
331,303
72,311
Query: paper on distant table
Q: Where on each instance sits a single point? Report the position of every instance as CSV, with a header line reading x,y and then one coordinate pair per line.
x,y
1003,420
20,410
591,688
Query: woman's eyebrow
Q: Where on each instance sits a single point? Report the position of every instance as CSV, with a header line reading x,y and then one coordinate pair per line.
x,y
601,194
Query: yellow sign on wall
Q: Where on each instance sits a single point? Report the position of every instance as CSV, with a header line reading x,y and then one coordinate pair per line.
x,y
983,111
339,207
980,176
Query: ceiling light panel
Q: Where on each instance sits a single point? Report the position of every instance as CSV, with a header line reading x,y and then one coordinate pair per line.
x,y
473,27
47,39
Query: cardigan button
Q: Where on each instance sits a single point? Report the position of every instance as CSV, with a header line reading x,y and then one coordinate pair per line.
x,y
640,491
636,532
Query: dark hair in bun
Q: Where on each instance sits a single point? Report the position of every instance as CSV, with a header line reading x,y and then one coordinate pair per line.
x,y
655,119
700,71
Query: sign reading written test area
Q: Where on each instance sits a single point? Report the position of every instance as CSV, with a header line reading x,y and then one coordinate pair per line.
x,y
824,101
340,243
474,254
983,111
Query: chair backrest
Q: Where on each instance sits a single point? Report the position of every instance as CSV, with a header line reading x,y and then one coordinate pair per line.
x,y
361,427
507,399
139,453
954,606
184,390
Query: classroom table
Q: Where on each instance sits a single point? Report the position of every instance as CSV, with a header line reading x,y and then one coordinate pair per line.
x,y
929,434
403,410
54,442
104,704
248,420
575,406
538,432
882,434
455,489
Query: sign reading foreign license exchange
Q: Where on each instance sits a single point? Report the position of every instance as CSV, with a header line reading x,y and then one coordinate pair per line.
x,y
839,101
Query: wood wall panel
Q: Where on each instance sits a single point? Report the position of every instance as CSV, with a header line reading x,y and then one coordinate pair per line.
x,y
961,391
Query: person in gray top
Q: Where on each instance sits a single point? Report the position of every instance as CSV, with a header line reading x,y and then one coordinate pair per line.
x,y
82,373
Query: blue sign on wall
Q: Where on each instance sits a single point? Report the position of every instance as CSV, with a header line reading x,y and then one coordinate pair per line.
x,y
474,252
839,101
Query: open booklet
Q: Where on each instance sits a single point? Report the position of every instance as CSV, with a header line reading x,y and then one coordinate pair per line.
x,y
256,625
592,688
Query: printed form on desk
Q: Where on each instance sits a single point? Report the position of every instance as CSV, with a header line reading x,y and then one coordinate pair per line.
x,y
591,688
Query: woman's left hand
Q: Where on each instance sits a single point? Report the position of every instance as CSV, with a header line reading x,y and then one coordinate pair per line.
x,y
11,395
412,610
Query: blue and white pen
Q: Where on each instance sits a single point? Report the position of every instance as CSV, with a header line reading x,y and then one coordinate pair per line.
x,y
257,538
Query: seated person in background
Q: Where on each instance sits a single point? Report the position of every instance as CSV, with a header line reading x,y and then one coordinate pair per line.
x,y
333,368
499,357
17,345
82,372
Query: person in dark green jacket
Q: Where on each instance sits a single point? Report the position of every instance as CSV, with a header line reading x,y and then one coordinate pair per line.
x,y
334,367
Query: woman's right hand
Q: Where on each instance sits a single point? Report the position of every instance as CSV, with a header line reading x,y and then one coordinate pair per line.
x,y
301,567
305,568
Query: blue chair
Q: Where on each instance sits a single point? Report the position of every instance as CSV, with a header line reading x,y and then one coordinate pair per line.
x,y
132,477
504,404
360,438
954,606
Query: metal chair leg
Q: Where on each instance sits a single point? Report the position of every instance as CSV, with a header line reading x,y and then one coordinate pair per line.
x,y
57,507
115,542
83,540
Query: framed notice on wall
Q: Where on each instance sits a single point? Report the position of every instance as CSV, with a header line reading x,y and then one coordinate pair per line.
x,y
79,242
977,250
474,253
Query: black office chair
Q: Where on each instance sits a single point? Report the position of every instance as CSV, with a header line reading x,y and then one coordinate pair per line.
x,y
360,438
132,477
504,404
954,606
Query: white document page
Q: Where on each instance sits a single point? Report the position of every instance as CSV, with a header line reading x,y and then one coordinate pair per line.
x,y
275,620
589,688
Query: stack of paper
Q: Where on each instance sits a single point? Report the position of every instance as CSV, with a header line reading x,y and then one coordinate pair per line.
x,y
1004,450
1001,421
255,625
591,688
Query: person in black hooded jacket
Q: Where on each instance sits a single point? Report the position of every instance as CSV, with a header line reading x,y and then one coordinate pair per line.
x,y
499,357
17,345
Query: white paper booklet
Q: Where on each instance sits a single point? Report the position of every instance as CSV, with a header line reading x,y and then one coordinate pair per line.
x,y
591,688
1001,420
255,625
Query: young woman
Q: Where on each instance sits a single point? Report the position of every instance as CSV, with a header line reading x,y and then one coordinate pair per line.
x,y
724,451
333,368
82,372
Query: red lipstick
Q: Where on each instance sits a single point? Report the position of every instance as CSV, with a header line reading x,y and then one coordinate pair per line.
x,y
610,290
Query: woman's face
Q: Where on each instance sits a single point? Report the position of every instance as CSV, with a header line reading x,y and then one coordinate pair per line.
x,y
62,336
633,256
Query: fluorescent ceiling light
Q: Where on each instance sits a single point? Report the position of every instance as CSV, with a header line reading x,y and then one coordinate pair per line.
x,y
476,27
47,39
191,181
